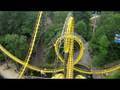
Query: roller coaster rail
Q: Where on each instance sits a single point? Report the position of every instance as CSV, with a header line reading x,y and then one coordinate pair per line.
x,y
68,36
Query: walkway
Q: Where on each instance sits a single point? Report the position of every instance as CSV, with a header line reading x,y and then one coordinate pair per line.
x,y
8,73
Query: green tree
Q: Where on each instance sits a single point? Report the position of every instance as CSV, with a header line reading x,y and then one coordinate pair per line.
x,y
16,44
81,28
114,75
99,58
16,22
82,24
103,43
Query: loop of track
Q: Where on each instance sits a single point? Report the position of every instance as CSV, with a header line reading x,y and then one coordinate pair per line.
x,y
70,37
58,41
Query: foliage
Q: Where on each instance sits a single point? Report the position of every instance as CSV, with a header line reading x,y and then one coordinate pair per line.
x,y
114,75
15,30
15,44
82,24
81,28
16,22
104,50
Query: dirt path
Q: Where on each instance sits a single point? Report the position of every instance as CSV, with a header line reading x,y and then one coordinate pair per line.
x,y
8,73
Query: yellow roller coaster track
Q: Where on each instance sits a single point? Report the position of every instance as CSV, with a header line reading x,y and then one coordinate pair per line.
x,y
59,69
31,44
68,46
76,38
68,36
113,68
28,66
60,76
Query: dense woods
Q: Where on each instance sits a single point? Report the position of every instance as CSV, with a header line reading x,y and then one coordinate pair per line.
x,y
16,31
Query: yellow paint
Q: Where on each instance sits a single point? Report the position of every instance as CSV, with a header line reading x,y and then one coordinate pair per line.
x,y
58,76
80,77
29,66
68,38
32,44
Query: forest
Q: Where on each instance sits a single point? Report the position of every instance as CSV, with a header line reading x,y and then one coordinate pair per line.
x,y
16,28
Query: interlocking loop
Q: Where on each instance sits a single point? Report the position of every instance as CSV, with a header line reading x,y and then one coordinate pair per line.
x,y
67,37
74,37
